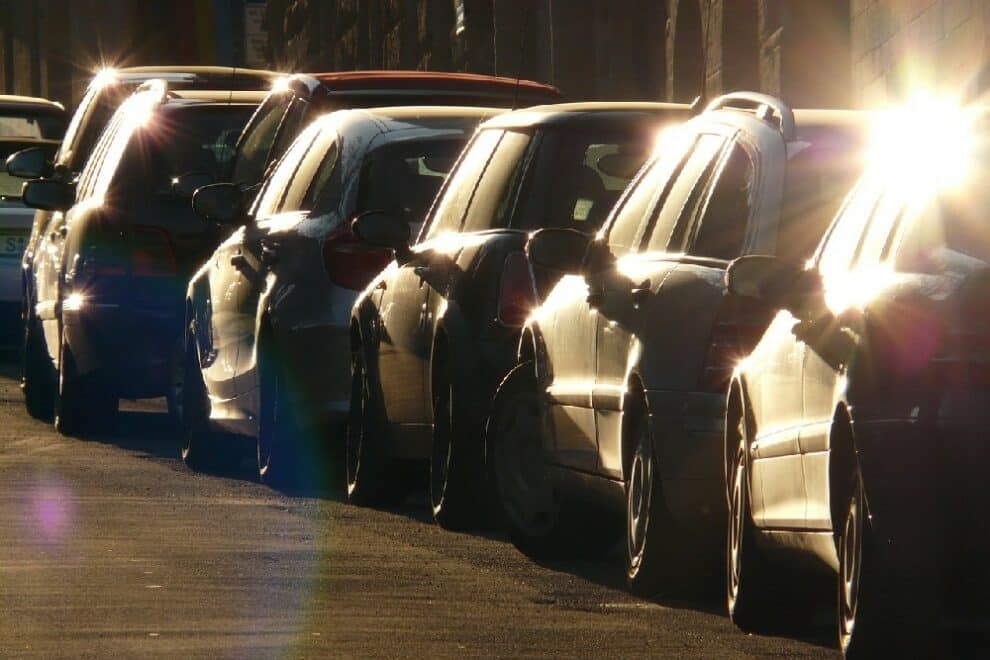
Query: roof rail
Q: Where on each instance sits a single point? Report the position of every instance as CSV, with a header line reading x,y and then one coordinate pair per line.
x,y
762,105
154,86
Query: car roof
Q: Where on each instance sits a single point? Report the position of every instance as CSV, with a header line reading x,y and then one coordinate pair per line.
x,y
11,101
563,113
381,122
412,113
189,73
218,96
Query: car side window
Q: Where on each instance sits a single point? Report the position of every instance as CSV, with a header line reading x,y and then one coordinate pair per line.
x,y
256,143
319,182
882,223
292,122
276,186
843,239
496,186
670,228
457,194
723,223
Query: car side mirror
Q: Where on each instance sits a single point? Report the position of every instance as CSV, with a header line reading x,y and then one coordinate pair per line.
x,y
48,194
185,185
32,163
382,230
220,202
780,283
557,249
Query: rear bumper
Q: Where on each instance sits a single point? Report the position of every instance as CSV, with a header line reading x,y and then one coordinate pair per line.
x,y
130,346
689,430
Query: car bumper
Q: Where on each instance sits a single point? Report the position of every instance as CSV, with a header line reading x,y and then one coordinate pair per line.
x,y
689,429
130,346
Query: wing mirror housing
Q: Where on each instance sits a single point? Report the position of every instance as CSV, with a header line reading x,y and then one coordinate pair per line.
x,y
31,163
185,185
557,249
48,194
222,203
382,230
779,283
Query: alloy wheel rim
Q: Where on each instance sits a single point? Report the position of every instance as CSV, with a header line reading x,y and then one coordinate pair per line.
x,y
737,515
850,567
640,489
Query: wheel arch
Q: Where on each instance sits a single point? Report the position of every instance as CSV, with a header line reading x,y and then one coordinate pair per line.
x,y
634,405
842,462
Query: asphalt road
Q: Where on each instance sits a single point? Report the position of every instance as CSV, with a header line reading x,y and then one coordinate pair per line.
x,y
111,547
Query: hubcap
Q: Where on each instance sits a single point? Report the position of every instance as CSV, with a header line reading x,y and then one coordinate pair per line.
x,y
520,465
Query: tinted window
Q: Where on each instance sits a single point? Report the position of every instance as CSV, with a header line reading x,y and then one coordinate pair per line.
x,y
318,187
491,204
629,220
402,179
723,225
684,194
276,185
252,152
31,125
293,122
577,175
457,195
947,232
882,224
844,237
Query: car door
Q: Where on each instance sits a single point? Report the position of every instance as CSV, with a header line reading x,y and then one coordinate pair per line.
x,y
278,196
629,299
850,263
404,347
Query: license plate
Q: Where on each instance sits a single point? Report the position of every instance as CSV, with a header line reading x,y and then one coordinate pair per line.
x,y
12,243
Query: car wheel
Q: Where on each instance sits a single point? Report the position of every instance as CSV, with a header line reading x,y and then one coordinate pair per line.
x,y
539,522
82,405
37,373
200,449
372,477
651,533
455,465
278,428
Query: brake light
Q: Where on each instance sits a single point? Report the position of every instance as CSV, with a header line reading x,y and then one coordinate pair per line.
x,y
152,254
737,329
349,263
517,290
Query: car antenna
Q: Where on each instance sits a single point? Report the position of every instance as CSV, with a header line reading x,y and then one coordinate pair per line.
x,y
522,55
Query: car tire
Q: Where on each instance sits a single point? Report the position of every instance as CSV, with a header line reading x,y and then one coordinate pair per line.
x,y
372,478
761,597
200,449
652,536
536,518
456,467
82,405
37,372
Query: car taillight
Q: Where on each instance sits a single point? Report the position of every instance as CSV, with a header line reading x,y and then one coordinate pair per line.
x,y
517,291
737,329
152,254
351,264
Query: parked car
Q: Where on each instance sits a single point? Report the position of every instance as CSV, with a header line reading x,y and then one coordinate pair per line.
x,y
616,404
15,228
106,91
268,315
437,330
855,430
25,122
296,100
122,242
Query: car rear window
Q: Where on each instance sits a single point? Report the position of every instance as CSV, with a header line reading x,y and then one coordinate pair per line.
x,y
27,124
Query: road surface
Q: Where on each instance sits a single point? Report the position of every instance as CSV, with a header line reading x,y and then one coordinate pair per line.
x,y
111,547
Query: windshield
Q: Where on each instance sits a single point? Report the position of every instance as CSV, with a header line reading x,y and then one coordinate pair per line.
x,y
27,124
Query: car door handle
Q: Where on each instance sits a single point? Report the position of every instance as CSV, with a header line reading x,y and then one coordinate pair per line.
x,y
381,285
641,293
59,233
269,255
421,271
239,262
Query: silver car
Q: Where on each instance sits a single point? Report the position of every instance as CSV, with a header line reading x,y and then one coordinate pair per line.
x,y
267,347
